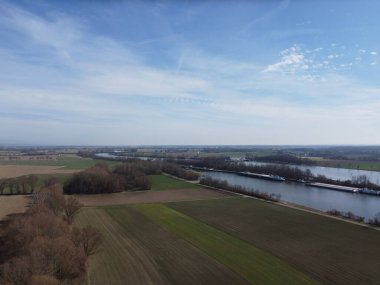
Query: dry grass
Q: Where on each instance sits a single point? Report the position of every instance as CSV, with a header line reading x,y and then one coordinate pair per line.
x,y
9,171
148,197
12,205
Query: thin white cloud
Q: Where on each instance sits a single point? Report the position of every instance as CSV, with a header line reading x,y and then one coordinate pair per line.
x,y
292,60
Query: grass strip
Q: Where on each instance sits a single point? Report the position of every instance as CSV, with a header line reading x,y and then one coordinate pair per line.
x,y
163,182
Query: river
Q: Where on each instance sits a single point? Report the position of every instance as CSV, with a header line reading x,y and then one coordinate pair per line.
x,y
330,172
121,157
366,206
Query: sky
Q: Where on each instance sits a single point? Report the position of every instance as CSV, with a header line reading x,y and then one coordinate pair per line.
x,y
189,72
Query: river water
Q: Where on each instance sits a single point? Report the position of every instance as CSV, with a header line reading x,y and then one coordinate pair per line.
x,y
330,172
321,199
121,157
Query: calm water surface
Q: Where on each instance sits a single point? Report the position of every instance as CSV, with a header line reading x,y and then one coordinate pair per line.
x,y
330,172
321,199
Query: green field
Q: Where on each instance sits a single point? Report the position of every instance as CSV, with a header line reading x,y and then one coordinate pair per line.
x,y
163,182
332,251
229,241
138,251
251,263
68,162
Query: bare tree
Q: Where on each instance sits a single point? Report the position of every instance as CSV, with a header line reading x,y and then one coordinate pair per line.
x,y
32,179
3,185
72,207
90,239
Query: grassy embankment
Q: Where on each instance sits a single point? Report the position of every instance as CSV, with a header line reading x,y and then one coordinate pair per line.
x,y
163,183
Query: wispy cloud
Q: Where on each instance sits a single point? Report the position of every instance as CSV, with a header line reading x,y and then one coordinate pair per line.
x,y
67,80
292,60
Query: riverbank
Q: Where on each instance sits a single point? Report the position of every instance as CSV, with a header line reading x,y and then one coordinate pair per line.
x,y
315,182
297,207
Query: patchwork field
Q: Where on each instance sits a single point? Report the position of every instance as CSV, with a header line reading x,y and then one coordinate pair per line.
x,y
228,241
68,162
192,235
138,251
329,250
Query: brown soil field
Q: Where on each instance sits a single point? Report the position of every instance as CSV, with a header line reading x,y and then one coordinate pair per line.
x,y
149,197
8,171
330,250
12,204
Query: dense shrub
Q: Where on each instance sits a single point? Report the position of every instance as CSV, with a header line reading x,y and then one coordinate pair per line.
x,y
95,180
346,215
100,179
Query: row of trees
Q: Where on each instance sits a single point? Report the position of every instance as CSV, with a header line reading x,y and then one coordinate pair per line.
x,y
18,185
290,173
282,158
42,246
176,170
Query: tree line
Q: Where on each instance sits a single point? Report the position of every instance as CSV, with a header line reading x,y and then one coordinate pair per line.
x,y
129,176
223,184
282,158
42,246
176,170
18,185
289,173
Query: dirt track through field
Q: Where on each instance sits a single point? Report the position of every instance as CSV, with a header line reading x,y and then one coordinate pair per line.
x,y
9,171
149,197
12,204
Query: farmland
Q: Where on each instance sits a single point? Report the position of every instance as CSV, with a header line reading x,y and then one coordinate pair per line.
x,y
136,197
12,205
138,251
329,250
8,171
251,263
231,240
181,233
66,162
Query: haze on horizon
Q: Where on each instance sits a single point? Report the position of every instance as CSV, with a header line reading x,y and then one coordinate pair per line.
x,y
189,72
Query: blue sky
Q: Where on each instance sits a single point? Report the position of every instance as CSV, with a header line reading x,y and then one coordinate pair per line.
x,y
189,72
